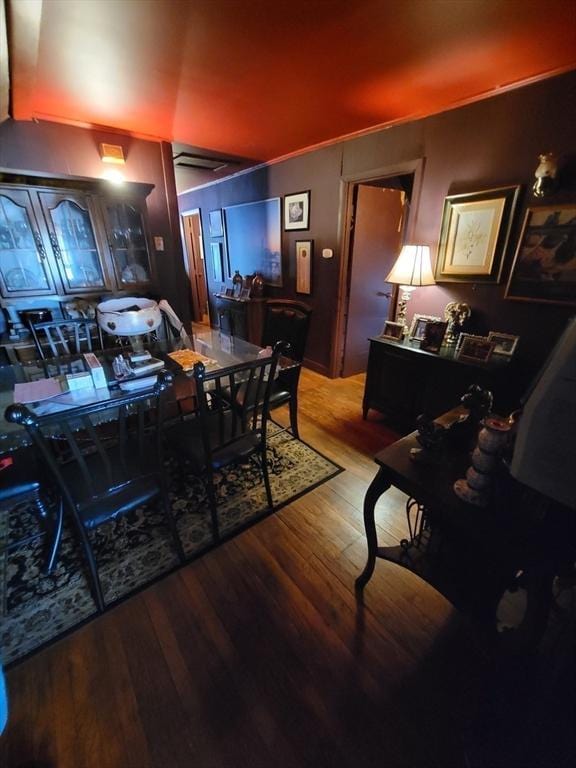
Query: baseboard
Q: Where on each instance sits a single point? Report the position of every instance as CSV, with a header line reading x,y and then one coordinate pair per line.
x,y
317,367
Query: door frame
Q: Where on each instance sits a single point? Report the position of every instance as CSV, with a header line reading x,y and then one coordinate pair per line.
x,y
348,183
187,256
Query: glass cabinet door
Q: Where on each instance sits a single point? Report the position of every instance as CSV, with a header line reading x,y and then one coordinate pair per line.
x,y
127,238
24,270
73,240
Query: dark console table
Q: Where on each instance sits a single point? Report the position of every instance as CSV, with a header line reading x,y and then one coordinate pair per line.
x,y
240,317
403,381
472,554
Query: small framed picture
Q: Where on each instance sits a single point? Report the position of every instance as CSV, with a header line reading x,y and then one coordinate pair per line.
x,y
229,292
475,349
215,219
297,211
419,324
433,335
504,343
245,293
303,266
216,250
393,331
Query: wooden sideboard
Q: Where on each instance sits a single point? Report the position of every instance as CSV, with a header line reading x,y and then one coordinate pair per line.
x,y
240,317
403,381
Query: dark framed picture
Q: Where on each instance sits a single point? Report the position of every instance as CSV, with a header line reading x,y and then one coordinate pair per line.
x,y
474,235
304,266
544,267
215,219
419,325
433,335
393,331
216,252
245,293
229,292
475,349
504,343
297,211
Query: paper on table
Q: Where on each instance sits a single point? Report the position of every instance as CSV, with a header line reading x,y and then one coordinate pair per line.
x,y
34,391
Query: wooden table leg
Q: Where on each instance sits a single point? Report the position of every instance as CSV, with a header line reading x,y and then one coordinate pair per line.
x,y
377,487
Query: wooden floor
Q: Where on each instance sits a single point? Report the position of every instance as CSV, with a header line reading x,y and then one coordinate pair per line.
x,y
259,655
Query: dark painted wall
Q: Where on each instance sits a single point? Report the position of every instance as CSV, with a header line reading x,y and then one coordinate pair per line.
x,y
59,150
495,142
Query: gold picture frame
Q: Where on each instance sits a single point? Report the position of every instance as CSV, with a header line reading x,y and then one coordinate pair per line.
x,y
474,235
544,267
418,326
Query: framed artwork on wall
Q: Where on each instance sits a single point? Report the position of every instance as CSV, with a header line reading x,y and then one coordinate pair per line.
x,y
216,250
297,211
215,219
303,266
474,235
544,267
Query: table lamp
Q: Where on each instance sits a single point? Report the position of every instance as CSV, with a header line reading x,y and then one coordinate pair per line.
x,y
412,269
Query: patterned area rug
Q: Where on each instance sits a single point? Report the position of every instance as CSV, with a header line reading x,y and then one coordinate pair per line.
x,y
137,549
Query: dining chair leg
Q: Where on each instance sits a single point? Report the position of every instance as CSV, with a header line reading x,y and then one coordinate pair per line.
x,y
172,525
56,537
293,406
266,477
92,567
210,490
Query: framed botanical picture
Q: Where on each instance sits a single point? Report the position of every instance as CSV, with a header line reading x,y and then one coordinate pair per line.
x,y
303,266
504,343
215,219
474,235
216,251
419,324
475,349
433,335
544,267
393,331
297,211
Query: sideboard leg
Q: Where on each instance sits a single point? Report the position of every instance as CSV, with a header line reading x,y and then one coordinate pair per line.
x,y
377,487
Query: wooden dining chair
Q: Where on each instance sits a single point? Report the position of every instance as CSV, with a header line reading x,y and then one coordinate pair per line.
x,y
220,434
289,321
54,338
103,475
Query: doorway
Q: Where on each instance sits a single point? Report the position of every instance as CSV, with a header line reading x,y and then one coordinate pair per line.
x,y
376,233
193,247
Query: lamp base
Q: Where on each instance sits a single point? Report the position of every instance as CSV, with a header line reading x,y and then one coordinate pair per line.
x,y
404,298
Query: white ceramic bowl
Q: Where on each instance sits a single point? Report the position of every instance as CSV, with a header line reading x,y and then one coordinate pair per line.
x,y
114,319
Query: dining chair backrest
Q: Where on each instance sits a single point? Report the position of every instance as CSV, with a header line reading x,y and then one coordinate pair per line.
x,y
106,460
94,450
54,338
287,320
248,385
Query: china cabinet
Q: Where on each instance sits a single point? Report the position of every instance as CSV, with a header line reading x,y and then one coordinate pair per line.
x,y
66,239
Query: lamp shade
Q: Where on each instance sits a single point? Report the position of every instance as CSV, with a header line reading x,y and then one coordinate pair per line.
x,y
412,267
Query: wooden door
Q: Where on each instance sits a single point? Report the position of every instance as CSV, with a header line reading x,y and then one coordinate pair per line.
x,y
377,235
195,253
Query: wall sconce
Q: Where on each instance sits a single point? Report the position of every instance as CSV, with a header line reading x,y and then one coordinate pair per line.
x,y
545,174
112,153
411,269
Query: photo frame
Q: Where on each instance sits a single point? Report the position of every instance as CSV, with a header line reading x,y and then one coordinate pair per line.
x,y
304,266
504,343
433,335
474,349
544,267
215,221
419,325
216,253
393,331
245,294
297,211
229,292
474,235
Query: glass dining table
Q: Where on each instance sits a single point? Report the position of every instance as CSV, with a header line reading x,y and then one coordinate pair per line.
x,y
221,350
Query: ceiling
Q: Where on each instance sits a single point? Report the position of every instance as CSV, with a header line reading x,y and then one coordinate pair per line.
x,y
257,80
